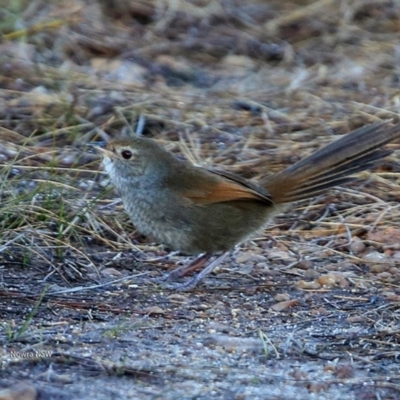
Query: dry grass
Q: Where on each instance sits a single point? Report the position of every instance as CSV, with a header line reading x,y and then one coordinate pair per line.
x,y
250,88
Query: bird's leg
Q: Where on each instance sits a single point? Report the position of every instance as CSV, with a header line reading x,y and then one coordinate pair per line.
x,y
184,270
196,264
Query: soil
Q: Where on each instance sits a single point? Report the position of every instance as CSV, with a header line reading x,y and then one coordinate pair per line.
x,y
307,309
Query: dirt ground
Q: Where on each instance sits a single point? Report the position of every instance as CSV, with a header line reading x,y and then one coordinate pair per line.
x,y
308,309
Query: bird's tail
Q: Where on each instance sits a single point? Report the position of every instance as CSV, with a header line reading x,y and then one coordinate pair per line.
x,y
332,165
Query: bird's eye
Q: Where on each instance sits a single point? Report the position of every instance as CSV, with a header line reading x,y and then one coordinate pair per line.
x,y
126,154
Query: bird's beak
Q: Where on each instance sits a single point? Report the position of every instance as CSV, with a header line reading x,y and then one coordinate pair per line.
x,y
99,147
101,144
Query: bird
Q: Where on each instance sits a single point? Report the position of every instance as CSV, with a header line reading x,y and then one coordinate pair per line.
x,y
205,212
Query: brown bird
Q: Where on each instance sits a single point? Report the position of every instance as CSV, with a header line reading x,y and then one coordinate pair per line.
x,y
199,210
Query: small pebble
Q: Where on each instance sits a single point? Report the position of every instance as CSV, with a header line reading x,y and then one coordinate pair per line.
x,y
357,245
